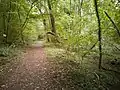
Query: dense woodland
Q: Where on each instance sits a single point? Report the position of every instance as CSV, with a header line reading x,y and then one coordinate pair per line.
x,y
82,36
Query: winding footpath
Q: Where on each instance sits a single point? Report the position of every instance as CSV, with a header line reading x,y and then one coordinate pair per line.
x,y
31,74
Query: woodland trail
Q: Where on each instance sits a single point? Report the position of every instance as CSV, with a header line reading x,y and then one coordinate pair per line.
x,y
32,73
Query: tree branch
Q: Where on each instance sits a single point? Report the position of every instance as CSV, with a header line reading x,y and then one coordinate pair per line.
x,y
115,26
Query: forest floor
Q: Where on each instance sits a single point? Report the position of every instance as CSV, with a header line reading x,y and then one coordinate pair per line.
x,y
30,73
40,68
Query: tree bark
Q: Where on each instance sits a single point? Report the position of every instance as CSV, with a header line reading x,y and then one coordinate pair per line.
x,y
52,19
99,33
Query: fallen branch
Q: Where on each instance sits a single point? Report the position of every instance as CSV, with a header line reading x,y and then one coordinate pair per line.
x,y
109,70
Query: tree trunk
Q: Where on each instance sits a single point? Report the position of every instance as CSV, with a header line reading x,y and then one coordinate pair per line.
x,y
99,33
8,21
4,27
44,23
52,19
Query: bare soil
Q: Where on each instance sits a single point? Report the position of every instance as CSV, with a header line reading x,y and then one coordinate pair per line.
x,y
31,73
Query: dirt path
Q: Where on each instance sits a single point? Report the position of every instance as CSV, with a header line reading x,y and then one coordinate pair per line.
x,y
31,74
36,71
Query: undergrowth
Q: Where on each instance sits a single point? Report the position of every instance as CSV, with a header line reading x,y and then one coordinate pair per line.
x,y
78,74
9,57
8,53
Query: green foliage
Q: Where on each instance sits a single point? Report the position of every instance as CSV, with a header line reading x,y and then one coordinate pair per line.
x,y
4,51
78,73
14,18
24,21
8,53
80,29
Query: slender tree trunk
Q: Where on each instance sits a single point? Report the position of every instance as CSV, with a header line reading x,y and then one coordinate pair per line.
x,y
99,33
45,24
8,21
80,7
4,27
44,21
45,28
52,19
115,26
24,23
80,13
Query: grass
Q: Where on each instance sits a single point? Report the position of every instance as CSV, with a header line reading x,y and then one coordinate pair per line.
x,y
78,74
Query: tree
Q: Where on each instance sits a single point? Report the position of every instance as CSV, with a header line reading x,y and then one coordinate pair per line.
x,y
99,33
52,19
